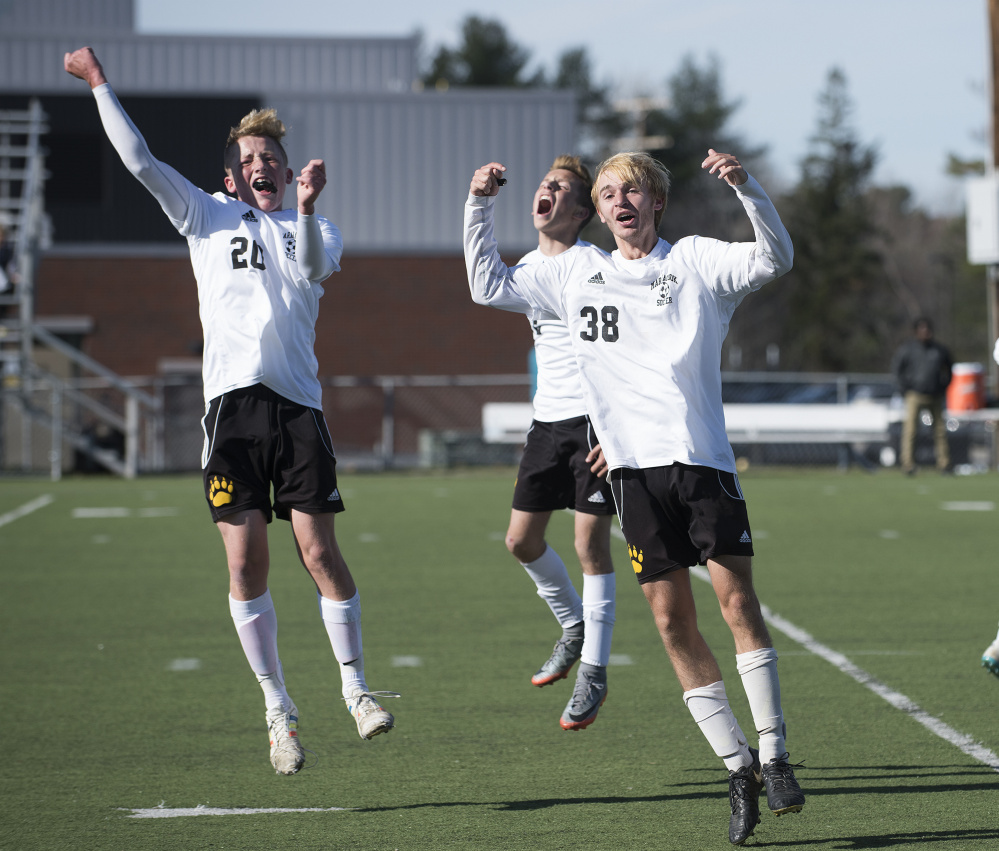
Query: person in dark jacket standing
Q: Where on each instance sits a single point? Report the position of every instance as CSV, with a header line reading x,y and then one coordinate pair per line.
x,y
922,370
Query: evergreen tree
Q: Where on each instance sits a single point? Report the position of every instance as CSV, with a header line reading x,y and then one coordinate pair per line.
x,y
696,119
835,295
486,56
867,262
598,122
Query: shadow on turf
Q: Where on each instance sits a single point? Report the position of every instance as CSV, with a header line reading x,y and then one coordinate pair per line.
x,y
906,779
717,788
889,840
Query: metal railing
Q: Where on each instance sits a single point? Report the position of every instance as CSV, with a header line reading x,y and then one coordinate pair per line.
x,y
397,421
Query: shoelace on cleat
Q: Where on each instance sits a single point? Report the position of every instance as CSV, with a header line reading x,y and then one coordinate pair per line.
x,y
581,693
779,773
562,653
372,704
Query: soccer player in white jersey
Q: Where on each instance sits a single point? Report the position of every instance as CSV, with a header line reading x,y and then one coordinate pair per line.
x,y
647,324
259,270
562,467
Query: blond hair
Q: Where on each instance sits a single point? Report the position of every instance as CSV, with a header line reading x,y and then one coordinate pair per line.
x,y
638,169
574,164
257,122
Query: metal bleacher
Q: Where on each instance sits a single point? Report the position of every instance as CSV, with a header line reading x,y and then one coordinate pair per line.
x,y
33,397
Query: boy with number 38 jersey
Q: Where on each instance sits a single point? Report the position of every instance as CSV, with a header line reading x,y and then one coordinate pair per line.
x,y
647,324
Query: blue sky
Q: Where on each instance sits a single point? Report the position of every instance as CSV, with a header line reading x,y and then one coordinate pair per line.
x,y
917,69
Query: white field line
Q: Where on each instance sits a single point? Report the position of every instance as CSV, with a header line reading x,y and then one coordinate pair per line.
x,y
108,512
960,740
983,505
185,812
25,509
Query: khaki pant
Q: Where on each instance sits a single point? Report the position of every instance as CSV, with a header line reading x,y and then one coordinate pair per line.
x,y
915,403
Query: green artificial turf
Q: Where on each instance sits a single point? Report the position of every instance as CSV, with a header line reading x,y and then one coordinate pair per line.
x,y
123,686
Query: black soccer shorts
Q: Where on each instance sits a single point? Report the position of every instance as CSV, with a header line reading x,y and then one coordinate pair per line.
x,y
680,515
256,439
554,473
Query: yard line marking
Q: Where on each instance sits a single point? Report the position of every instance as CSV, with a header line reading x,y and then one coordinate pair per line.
x,y
859,653
970,505
184,665
406,661
158,512
103,513
961,741
27,508
184,812
616,659
99,513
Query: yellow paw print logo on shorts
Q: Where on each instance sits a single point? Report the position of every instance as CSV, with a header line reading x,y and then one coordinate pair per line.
x,y
637,557
220,492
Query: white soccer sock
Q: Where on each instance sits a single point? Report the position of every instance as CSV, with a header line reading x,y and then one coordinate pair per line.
x,y
342,619
555,587
598,616
256,626
758,670
710,709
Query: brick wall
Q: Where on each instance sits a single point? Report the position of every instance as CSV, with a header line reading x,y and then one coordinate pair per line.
x,y
380,315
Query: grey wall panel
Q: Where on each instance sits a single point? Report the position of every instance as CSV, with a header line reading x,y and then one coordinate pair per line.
x,y
399,167
68,16
399,161
211,65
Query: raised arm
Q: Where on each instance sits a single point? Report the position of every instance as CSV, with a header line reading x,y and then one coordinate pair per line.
x,y
774,253
318,258
166,184
490,281
83,63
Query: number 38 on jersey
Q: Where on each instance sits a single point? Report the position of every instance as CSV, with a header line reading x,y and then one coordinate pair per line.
x,y
601,324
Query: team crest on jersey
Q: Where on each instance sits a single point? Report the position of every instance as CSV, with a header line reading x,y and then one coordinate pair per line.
x,y
249,217
289,245
663,296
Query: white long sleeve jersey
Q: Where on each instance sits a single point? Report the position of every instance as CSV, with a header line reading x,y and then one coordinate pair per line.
x,y
258,273
647,333
560,390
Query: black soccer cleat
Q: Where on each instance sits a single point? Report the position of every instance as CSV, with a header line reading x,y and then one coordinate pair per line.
x,y
744,787
784,795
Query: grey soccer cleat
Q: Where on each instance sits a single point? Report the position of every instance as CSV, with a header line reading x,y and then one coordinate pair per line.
x,y
565,654
587,698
